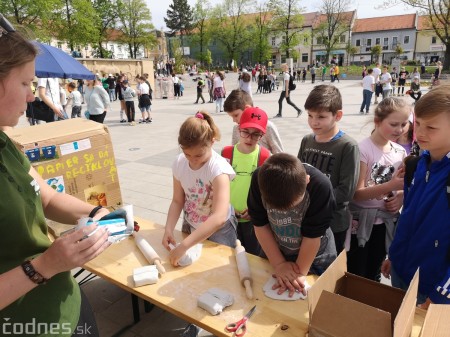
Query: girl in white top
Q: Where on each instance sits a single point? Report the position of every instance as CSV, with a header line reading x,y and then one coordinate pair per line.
x,y
385,80
219,91
201,188
379,192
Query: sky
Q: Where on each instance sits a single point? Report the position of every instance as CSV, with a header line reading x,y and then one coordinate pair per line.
x,y
365,9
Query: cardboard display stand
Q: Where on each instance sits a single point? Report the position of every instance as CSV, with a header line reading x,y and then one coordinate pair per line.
x,y
341,304
74,156
437,322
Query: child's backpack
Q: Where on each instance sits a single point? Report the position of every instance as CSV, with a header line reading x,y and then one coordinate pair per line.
x,y
228,151
410,169
292,85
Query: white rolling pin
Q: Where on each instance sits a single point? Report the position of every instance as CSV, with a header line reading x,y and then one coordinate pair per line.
x,y
150,254
244,269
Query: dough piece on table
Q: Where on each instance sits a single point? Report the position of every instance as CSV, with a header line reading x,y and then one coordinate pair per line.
x,y
273,294
215,300
145,275
192,254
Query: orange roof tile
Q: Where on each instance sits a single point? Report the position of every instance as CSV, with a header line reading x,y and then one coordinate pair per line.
x,y
406,21
424,23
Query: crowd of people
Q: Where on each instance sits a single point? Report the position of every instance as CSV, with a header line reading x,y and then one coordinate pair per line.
x,y
298,212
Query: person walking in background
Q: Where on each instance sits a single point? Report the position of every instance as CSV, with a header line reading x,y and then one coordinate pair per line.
x,y
111,81
97,100
245,83
337,71
324,72
368,84
209,80
120,80
219,90
74,100
378,87
385,80
394,76
364,71
437,74
285,93
312,70
176,86
200,86
128,95
402,75
145,99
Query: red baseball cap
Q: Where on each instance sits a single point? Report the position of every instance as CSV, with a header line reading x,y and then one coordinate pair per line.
x,y
253,117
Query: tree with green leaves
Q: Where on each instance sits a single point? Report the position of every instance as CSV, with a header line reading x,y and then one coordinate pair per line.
x,y
287,22
179,18
107,12
351,51
231,26
438,19
398,50
261,33
201,33
375,52
334,23
135,25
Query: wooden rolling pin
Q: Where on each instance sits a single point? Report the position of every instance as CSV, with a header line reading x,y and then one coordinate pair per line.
x,y
244,269
149,252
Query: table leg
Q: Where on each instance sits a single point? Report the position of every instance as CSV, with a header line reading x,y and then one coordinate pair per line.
x,y
135,306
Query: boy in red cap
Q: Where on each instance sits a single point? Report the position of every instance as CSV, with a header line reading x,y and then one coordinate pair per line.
x,y
245,157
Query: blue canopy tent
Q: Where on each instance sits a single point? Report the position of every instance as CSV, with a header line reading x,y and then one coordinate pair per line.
x,y
53,62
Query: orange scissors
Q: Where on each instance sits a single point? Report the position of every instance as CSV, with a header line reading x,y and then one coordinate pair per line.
x,y
240,328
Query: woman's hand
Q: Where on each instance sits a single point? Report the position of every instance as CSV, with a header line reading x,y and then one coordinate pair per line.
x,y
289,278
74,250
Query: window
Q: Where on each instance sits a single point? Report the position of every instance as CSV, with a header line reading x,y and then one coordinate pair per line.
x,y
358,43
305,58
305,40
319,40
283,39
342,39
59,45
394,42
378,41
433,39
273,40
369,43
385,41
406,39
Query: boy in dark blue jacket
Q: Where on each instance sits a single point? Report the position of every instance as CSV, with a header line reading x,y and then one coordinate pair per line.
x,y
422,238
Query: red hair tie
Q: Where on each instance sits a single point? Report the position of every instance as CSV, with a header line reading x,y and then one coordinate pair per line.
x,y
199,115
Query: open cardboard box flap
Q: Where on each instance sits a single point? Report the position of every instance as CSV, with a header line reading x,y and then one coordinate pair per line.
x,y
437,322
343,304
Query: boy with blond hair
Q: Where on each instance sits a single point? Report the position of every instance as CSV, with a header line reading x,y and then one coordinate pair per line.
x,y
422,237
236,102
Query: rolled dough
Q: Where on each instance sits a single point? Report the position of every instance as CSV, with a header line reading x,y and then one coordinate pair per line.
x,y
269,292
215,300
192,254
145,275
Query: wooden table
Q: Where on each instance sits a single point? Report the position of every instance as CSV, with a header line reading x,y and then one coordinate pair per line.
x,y
178,289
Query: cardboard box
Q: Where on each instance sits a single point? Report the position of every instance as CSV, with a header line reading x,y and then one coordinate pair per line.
x,y
341,304
437,322
74,156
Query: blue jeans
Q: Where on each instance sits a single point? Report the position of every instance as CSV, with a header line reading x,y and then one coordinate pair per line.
x,y
112,94
397,282
367,96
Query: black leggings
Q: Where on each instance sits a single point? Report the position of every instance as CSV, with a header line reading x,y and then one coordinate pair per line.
x,y
129,105
288,100
98,118
87,326
366,261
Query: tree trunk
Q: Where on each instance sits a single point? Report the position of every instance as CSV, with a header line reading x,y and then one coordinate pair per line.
x,y
446,64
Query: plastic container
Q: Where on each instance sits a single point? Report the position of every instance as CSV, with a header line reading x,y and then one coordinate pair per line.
x,y
33,154
49,152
